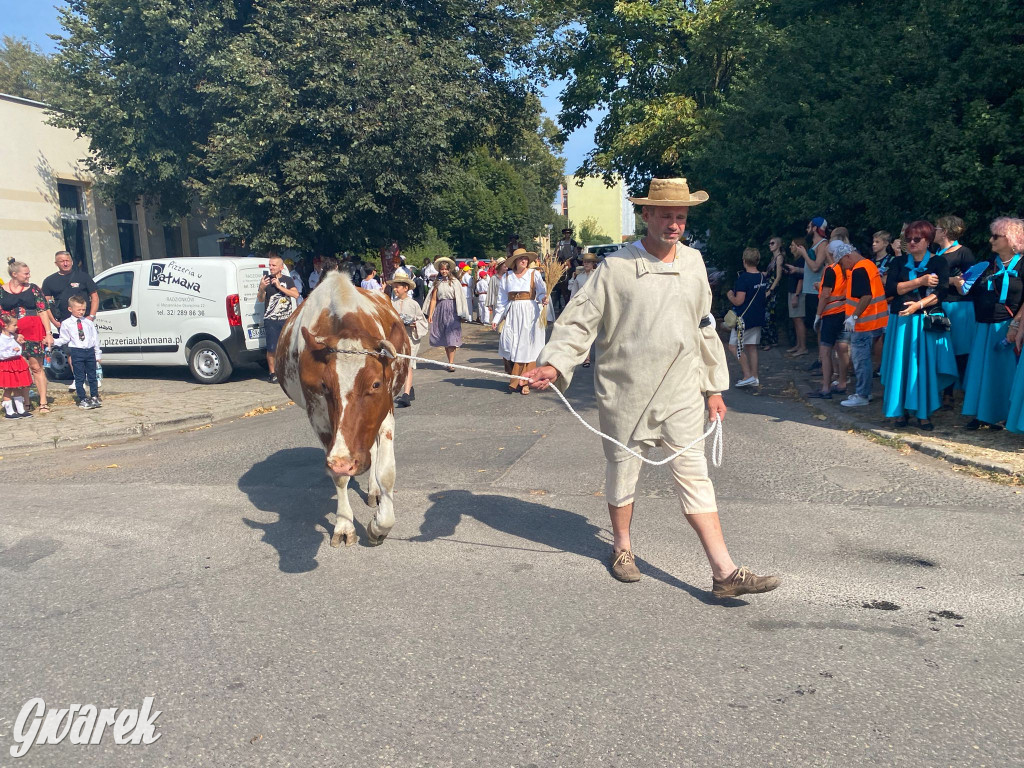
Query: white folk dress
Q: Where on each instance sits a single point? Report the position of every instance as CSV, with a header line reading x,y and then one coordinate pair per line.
x,y
522,338
654,362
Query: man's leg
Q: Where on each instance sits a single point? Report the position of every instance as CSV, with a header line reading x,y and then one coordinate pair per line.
x,y
825,357
862,361
270,362
697,498
619,487
843,358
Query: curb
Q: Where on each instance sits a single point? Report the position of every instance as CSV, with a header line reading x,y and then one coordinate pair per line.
x,y
143,428
922,446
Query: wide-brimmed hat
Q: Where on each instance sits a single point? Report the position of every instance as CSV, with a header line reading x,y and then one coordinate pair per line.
x,y
403,280
591,257
671,192
444,260
521,253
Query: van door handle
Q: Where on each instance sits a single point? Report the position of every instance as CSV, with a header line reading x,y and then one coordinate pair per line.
x,y
134,320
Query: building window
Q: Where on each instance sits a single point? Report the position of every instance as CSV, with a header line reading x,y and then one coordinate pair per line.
x,y
127,232
75,223
172,242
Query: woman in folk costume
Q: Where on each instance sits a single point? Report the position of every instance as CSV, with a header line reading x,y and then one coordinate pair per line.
x,y
482,287
998,297
918,360
521,295
446,307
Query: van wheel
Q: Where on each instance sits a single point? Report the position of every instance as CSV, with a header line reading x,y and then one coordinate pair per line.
x,y
209,363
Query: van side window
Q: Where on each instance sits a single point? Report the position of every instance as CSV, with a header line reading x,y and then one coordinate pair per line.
x,y
115,291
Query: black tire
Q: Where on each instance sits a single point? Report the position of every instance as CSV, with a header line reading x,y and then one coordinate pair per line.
x,y
209,363
60,366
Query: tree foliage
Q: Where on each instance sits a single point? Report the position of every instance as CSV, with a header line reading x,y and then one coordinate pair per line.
x,y
868,112
23,69
319,124
590,234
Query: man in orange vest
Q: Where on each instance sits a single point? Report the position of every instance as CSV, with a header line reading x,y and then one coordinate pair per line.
x,y
831,334
866,316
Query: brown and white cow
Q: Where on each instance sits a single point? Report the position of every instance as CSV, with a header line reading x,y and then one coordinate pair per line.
x,y
349,398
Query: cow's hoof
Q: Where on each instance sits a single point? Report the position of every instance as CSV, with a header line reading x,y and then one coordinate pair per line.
x,y
349,538
372,499
374,537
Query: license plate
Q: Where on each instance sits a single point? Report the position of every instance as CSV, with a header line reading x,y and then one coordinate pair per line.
x,y
255,333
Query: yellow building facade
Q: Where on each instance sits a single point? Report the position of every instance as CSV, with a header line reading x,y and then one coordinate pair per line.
x,y
594,200
48,204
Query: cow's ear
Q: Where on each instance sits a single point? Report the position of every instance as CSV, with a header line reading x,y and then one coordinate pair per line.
x,y
314,343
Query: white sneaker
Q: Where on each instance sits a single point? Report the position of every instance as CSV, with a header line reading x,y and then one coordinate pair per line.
x,y
854,401
751,382
71,387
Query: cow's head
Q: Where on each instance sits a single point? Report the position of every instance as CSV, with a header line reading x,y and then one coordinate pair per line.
x,y
348,396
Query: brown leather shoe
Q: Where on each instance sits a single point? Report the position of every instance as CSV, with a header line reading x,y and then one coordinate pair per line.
x,y
743,581
623,566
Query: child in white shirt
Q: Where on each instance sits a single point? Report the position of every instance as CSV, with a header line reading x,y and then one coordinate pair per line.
x,y
14,376
78,332
415,326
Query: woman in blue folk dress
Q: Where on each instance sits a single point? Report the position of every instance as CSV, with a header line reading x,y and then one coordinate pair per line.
x,y
997,295
917,361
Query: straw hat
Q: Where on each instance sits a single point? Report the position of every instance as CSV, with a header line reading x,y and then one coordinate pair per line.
x,y
498,261
444,260
403,280
671,192
522,253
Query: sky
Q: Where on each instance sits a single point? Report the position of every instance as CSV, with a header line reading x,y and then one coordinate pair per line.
x,y
35,19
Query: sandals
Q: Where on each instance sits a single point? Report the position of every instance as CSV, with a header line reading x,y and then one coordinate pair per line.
x,y
44,408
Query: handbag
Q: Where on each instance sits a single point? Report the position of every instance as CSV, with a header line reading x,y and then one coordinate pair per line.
x,y
937,323
731,319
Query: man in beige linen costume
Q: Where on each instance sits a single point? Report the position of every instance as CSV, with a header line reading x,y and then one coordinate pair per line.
x,y
655,365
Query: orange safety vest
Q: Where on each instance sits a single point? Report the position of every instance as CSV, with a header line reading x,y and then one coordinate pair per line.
x,y
876,315
837,299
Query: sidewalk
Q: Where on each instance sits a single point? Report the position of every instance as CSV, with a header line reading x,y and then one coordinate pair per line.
x,y
139,401
1000,453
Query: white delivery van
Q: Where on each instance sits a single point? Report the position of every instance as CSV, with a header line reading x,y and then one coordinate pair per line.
x,y
200,312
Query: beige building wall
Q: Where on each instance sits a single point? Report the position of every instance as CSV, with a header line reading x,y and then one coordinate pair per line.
x,y
596,201
34,159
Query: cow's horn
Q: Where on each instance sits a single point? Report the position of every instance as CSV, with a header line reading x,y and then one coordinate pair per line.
x,y
387,349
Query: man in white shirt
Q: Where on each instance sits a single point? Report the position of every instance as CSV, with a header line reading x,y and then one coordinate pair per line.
x,y
658,391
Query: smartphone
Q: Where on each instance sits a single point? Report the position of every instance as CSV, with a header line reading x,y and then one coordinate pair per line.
x,y
266,273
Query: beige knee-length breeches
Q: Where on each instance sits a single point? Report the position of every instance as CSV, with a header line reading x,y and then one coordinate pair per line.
x,y
690,471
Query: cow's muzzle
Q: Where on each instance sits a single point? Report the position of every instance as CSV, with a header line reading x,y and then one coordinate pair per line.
x,y
339,466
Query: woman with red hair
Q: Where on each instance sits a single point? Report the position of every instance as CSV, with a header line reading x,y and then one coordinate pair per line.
x,y
917,361
997,295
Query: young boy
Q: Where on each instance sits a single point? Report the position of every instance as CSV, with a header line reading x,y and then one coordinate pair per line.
x,y
79,333
415,325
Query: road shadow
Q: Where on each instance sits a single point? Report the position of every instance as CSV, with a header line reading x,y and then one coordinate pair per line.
x,y
557,529
291,484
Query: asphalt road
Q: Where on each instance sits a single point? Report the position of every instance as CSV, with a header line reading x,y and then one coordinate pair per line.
x,y
487,631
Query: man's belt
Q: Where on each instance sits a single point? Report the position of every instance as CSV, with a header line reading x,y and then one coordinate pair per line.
x,y
518,295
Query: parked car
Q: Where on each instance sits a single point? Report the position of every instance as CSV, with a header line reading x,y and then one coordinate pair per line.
x,y
602,250
198,312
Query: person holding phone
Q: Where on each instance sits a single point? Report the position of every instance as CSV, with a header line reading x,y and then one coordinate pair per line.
x,y
279,295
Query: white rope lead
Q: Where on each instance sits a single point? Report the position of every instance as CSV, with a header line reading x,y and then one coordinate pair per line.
x,y
714,431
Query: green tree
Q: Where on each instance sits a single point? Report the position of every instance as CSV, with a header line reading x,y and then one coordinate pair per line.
x,y
869,113
23,69
588,233
319,124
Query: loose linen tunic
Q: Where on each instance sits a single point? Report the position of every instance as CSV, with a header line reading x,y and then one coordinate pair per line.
x,y
654,361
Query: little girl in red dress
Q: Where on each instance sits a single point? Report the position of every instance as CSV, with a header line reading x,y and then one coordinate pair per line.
x,y
14,376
